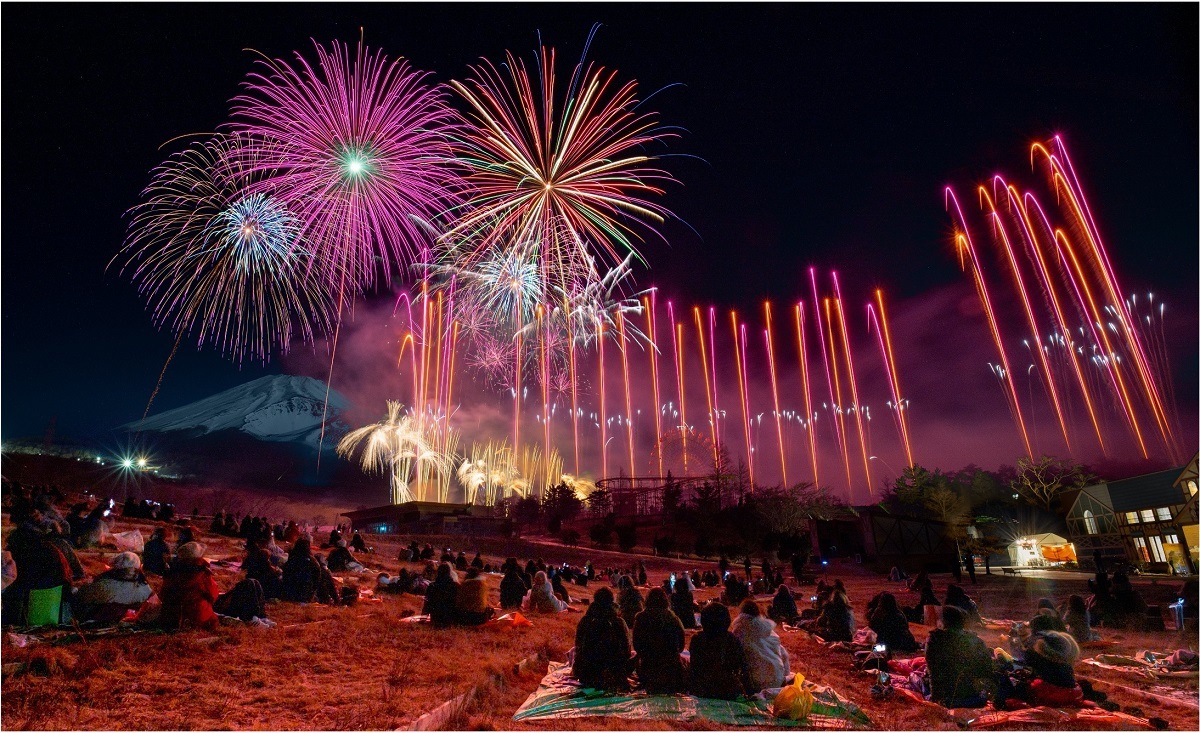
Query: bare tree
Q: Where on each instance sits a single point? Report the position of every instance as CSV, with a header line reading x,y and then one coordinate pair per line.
x,y
1040,482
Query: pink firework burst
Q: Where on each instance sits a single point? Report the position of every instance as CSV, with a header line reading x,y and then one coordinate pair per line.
x,y
358,148
565,170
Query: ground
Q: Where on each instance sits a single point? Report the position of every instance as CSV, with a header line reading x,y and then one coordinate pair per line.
x,y
363,668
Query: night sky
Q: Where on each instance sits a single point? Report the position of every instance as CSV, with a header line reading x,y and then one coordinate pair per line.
x,y
824,136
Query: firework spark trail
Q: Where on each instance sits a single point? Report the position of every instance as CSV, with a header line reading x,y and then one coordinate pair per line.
x,y
677,349
574,392
853,379
628,403
533,168
889,359
775,393
544,371
741,380
603,419
1023,292
839,413
708,395
651,306
716,406
962,241
1062,171
804,385
839,437
1083,293
1047,283
750,448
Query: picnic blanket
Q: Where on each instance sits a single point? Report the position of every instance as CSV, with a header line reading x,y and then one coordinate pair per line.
x,y
1048,718
559,697
1150,665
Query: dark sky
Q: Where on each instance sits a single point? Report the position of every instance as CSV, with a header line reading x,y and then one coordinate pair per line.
x,y
826,133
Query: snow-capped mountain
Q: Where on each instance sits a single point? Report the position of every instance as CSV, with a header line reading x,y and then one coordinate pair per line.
x,y
280,408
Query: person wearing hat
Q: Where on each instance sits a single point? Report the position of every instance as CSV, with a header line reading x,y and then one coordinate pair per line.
x,y
189,591
120,589
960,664
1051,657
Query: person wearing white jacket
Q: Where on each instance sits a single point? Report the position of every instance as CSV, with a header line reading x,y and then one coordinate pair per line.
x,y
766,656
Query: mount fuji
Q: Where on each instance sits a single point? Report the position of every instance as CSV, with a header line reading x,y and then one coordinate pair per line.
x,y
277,409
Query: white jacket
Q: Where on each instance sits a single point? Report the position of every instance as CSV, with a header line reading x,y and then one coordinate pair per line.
x,y
765,654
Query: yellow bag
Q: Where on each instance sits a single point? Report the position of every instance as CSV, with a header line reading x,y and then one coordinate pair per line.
x,y
793,702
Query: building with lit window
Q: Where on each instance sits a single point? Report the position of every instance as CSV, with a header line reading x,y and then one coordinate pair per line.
x,y
1149,521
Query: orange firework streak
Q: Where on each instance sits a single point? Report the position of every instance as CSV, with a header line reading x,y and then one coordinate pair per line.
x,y
737,358
712,418
962,243
450,373
1079,207
517,395
716,406
628,402
808,416
1056,306
603,422
839,413
858,409
545,378
893,375
1111,365
775,394
650,305
574,391
1029,317
837,433
437,355
676,341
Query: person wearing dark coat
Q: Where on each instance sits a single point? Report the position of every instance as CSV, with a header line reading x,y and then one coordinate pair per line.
x,y
357,542
718,663
334,538
630,601
301,573
836,622
460,562
257,566
512,589
916,614
960,664
658,641
441,597
956,596
1051,657
602,653
156,553
340,558
735,590
683,605
1047,618
783,606
477,561
40,564
560,590
889,624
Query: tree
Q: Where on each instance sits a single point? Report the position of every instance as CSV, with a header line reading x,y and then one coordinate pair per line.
x,y
672,496
600,533
561,503
570,537
1040,482
626,537
664,545
600,501
706,499
527,509
704,545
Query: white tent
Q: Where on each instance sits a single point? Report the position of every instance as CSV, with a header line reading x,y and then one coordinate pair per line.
x,y
1040,550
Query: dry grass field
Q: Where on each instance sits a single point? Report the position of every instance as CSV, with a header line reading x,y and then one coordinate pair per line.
x,y
363,668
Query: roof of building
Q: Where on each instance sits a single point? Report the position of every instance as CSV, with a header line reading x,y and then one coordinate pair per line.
x,y
1046,538
1146,492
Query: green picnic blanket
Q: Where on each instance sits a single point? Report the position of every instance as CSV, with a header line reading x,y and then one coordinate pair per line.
x,y
559,697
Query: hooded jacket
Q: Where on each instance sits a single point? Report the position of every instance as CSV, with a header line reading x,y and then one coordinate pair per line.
x,y
188,592
766,658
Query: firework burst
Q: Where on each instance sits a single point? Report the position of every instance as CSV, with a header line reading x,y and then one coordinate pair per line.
x,y
212,256
407,448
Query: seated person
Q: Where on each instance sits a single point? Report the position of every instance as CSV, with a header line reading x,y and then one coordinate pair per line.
x,y
1051,657
658,641
736,590
916,614
1128,607
766,658
334,538
301,573
718,664
327,587
960,664
385,583
897,574
122,588
512,589
956,596
156,553
257,566
1078,621
783,607
341,560
889,624
441,597
541,598
683,604
629,601
39,562
556,584
602,652
471,603
1047,618
188,591
836,622
244,601
917,584
358,543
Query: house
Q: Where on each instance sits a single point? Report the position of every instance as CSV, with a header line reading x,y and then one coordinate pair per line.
x,y
425,517
1148,521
